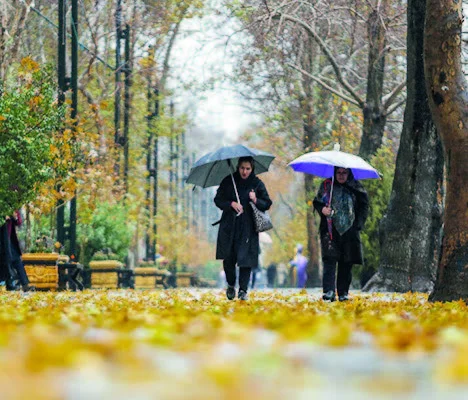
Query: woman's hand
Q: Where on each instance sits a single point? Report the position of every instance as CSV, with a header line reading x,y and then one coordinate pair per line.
x,y
237,207
253,196
327,211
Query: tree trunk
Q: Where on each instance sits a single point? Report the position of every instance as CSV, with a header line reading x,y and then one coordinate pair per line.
x,y
410,231
313,267
373,111
446,89
311,135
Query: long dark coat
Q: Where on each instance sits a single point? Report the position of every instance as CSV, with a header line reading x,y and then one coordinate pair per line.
x,y
346,247
240,229
5,254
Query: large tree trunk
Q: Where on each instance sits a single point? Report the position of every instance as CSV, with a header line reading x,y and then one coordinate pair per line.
x,y
410,231
311,135
313,267
373,112
446,88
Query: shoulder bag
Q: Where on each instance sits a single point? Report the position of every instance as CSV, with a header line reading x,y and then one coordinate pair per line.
x,y
262,220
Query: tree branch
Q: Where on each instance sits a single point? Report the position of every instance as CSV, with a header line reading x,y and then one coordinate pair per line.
x,y
396,106
323,84
390,98
329,56
283,200
165,70
94,107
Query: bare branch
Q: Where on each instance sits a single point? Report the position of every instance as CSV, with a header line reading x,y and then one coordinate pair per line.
x,y
329,56
94,107
288,206
323,84
352,11
168,55
395,107
391,97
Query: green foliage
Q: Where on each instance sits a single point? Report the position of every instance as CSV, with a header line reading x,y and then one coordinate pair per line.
x,y
210,270
108,229
103,255
379,196
29,117
43,244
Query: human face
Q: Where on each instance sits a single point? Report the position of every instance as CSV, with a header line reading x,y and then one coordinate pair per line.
x,y
342,175
245,169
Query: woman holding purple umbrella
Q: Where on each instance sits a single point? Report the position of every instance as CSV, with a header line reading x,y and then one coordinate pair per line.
x,y
343,206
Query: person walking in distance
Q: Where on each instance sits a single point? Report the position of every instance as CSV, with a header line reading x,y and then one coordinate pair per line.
x,y
300,262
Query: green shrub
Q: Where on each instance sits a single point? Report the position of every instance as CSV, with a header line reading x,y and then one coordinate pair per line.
x,y
29,116
109,229
210,270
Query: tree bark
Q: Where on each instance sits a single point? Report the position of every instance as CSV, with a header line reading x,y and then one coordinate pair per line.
x,y
12,25
448,100
373,111
311,134
410,230
313,267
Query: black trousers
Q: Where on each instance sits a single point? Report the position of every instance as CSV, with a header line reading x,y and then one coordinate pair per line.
x,y
18,266
230,271
343,279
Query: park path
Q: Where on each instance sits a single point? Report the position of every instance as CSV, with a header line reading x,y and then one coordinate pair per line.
x,y
194,344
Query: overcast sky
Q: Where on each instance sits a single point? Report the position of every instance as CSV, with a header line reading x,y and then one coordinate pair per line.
x,y
200,54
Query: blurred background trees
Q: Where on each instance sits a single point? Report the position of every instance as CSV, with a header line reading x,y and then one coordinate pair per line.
x,y
312,74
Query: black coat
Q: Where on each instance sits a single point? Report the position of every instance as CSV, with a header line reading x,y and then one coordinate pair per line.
x,y
5,254
346,247
237,234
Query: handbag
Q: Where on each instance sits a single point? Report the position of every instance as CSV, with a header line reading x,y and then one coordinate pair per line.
x,y
262,220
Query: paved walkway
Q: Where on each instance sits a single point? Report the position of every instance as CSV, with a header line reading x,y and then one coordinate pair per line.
x,y
192,344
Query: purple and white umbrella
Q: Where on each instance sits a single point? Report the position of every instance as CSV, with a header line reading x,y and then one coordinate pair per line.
x,y
323,163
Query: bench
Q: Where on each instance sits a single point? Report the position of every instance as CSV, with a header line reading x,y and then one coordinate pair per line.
x,y
150,278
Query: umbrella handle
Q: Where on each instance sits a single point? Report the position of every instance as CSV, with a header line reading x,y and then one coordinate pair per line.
x,y
235,189
331,190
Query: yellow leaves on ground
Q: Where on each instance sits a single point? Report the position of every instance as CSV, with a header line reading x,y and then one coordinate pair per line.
x,y
262,348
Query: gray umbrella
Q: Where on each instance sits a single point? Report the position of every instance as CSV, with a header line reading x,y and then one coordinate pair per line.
x,y
213,167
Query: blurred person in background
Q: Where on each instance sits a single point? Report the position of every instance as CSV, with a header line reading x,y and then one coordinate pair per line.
x,y
14,255
300,262
271,275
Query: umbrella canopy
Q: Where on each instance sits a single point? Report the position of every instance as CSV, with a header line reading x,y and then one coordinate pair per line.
x,y
323,163
213,167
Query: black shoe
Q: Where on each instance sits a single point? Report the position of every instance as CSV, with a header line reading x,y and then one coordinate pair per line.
x,y
12,286
28,288
242,295
343,297
329,296
230,292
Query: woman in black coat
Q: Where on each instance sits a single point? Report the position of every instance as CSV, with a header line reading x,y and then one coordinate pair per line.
x,y
340,226
10,255
237,239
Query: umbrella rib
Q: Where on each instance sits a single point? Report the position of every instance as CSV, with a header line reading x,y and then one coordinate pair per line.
x,y
209,173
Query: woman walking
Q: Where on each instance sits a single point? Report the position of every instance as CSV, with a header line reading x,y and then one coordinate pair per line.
x,y
237,239
342,219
